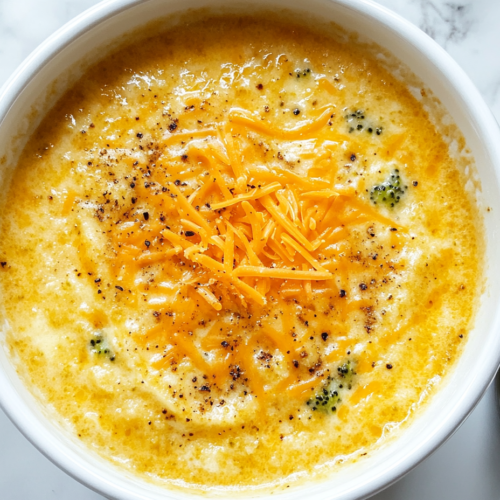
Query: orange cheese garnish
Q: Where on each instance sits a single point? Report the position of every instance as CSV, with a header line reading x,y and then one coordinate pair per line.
x,y
209,297
254,194
68,202
243,117
240,238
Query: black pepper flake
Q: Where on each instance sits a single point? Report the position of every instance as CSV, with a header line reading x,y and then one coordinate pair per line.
x,y
189,233
98,280
146,215
353,157
134,200
363,286
295,363
172,126
3,264
184,157
132,185
260,86
415,183
224,344
140,135
296,111
119,288
342,294
205,388
388,366
147,243
177,182
393,229
324,335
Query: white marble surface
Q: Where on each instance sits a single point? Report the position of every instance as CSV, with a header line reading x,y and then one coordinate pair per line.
x,y
464,468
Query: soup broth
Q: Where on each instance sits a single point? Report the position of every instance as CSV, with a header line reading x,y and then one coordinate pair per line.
x,y
238,253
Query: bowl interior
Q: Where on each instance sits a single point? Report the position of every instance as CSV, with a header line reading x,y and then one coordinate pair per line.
x,y
63,58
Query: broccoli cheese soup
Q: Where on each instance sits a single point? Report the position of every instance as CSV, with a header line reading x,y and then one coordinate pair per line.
x,y
238,254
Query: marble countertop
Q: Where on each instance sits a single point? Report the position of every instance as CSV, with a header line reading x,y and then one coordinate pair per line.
x,y
466,466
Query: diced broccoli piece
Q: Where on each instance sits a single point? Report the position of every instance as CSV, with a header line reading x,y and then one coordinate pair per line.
x,y
100,346
328,398
346,372
357,121
389,192
302,73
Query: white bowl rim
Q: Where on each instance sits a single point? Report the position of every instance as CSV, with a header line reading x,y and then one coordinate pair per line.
x,y
16,409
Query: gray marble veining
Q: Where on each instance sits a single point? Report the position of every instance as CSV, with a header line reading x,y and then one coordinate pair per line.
x,y
449,22
468,30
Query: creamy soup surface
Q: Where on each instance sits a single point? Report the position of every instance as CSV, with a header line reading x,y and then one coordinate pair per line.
x,y
238,253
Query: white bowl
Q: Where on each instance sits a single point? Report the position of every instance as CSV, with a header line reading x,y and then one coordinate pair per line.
x,y
51,68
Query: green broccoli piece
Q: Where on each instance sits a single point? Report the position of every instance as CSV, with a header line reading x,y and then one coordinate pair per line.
x,y
356,121
328,398
346,373
100,347
302,73
389,192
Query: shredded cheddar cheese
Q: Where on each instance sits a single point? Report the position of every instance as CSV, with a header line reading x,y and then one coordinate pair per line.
x,y
236,237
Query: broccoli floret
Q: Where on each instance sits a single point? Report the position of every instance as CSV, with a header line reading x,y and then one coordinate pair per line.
x,y
389,192
302,73
346,372
356,121
100,347
328,398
